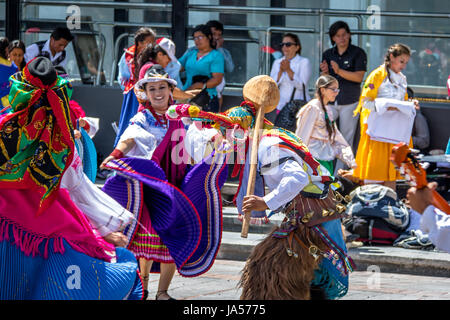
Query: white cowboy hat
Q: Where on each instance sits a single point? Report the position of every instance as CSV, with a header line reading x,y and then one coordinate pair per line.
x,y
154,74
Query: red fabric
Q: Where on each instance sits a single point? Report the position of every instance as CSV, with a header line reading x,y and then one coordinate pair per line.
x,y
76,112
129,58
62,220
117,154
62,135
144,68
170,153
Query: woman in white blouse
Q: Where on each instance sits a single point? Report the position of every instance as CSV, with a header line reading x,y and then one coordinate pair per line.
x,y
318,130
292,71
387,118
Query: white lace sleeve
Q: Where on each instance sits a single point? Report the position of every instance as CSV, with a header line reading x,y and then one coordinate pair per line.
x,y
145,142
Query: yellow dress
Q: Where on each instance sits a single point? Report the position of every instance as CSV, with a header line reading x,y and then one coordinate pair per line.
x,y
373,157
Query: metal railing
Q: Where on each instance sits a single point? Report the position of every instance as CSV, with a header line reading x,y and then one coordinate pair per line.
x,y
263,33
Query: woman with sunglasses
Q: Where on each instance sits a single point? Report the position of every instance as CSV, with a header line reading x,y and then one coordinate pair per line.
x,y
292,71
204,66
318,130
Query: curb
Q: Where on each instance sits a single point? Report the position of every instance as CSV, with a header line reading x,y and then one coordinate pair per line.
x,y
366,258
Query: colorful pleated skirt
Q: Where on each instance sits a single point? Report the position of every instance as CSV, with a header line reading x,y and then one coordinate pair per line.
x,y
188,219
57,256
147,243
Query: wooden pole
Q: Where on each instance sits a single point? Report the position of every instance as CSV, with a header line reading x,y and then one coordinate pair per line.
x,y
253,165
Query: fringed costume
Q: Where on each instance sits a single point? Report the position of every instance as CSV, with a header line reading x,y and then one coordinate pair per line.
x,y
49,248
308,249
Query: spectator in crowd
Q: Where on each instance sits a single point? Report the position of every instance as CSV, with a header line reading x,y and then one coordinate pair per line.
x,y
348,64
291,72
386,118
16,53
53,48
217,32
164,55
129,75
434,222
7,68
317,128
204,66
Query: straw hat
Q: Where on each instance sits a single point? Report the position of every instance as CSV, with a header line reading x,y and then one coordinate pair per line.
x,y
262,91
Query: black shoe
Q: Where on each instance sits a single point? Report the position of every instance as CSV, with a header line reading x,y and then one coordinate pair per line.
x,y
145,295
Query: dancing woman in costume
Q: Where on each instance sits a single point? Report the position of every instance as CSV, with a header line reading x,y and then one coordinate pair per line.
x,y
50,239
178,206
306,254
386,118
318,130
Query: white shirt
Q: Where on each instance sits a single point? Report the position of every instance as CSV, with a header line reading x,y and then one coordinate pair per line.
x,y
284,181
32,51
104,213
311,128
302,72
392,126
437,224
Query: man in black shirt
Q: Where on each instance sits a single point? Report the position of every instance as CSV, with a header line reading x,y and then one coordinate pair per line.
x,y
348,64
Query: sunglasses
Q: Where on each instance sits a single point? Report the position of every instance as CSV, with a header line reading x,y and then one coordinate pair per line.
x,y
287,44
335,90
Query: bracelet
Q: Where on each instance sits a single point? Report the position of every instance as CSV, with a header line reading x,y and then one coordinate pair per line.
x,y
204,86
117,154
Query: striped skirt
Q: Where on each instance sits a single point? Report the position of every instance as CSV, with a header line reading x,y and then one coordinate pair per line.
x,y
146,243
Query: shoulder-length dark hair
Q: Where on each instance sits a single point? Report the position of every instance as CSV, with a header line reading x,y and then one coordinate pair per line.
x,y
17,44
149,55
203,28
296,39
334,28
4,43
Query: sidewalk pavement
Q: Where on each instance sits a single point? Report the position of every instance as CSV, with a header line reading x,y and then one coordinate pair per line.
x,y
387,258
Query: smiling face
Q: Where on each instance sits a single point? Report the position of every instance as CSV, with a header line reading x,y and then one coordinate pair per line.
x,y
159,94
330,92
399,63
289,47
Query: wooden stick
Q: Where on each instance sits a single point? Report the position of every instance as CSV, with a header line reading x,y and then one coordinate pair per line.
x,y
259,122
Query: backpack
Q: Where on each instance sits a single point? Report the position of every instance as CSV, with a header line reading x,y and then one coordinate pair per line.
x,y
376,214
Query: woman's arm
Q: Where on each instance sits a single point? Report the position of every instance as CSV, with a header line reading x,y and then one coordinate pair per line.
x,y
215,80
123,147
